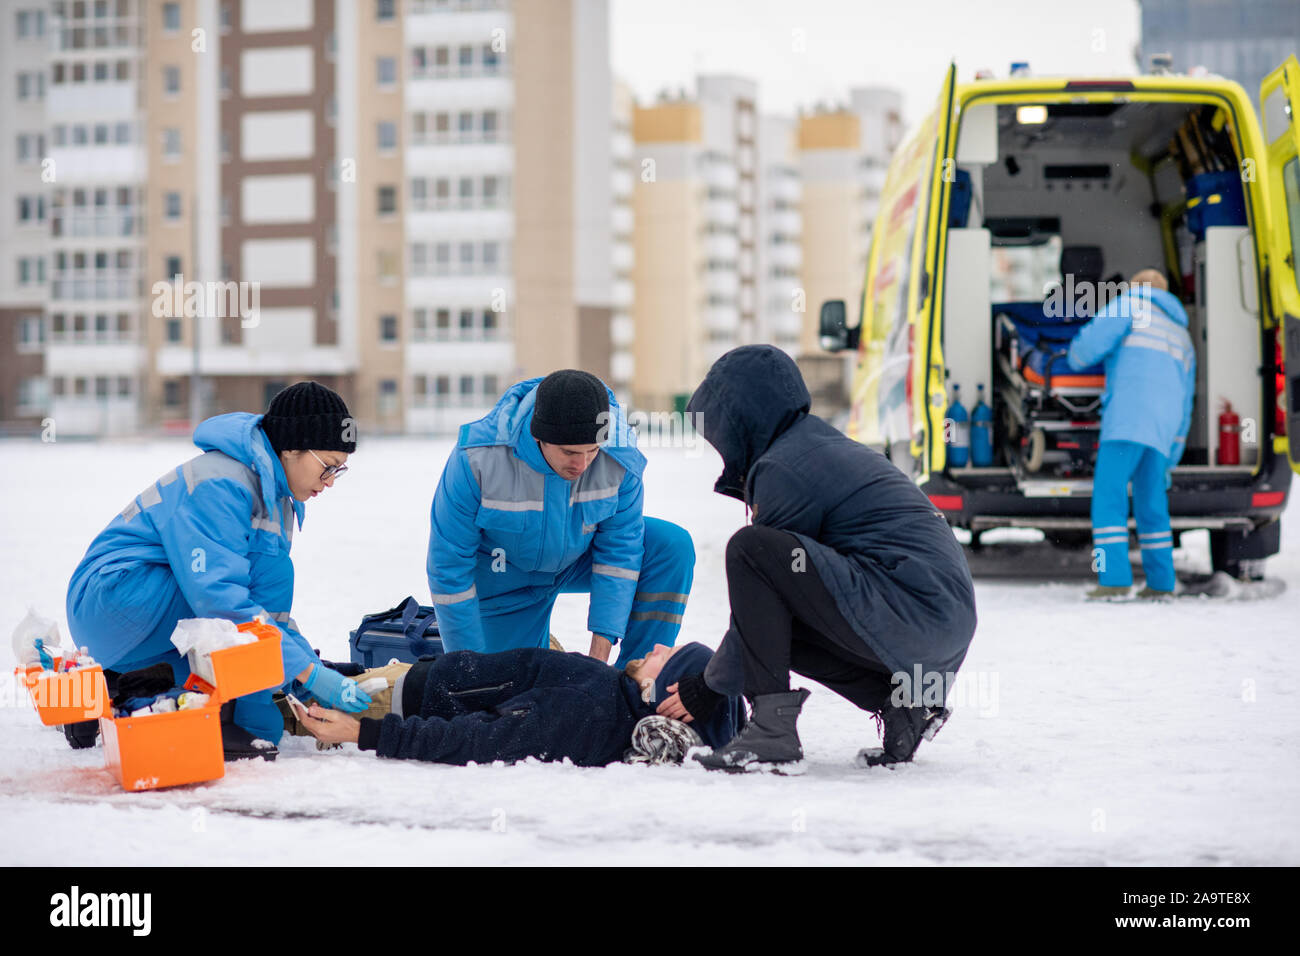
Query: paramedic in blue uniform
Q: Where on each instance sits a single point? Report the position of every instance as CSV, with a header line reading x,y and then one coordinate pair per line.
x,y
543,496
1141,337
211,538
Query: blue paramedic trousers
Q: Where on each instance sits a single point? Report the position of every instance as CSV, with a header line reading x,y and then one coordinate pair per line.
x,y
128,633
1118,463
522,617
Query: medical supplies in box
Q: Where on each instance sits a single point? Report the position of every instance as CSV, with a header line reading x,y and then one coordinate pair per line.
x,y
406,633
72,690
167,748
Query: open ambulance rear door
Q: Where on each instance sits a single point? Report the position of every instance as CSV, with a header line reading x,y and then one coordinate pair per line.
x,y
1279,97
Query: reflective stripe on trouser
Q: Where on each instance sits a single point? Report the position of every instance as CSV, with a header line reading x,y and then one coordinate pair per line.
x,y
1118,463
128,637
522,617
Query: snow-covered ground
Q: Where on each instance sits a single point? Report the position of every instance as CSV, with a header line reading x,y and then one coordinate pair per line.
x,y
1083,734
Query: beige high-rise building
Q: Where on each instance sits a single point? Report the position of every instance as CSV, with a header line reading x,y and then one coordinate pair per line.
x,y
670,250
843,155
697,274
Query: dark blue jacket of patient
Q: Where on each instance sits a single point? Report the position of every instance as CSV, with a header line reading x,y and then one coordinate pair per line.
x,y
530,702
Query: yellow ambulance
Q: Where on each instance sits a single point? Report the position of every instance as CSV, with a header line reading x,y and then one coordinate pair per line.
x,y
1015,210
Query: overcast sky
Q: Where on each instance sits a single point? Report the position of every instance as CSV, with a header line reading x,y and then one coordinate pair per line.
x,y
905,44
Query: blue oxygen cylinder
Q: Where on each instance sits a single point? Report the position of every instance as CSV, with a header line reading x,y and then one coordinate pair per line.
x,y
956,431
981,432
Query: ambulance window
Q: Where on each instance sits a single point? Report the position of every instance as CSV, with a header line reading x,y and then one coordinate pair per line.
x,y
1291,186
1023,273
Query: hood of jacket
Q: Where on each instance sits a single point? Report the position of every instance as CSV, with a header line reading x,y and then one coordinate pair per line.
x,y
1166,302
508,424
239,435
691,659
750,396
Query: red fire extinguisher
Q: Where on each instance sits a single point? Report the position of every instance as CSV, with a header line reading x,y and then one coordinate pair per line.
x,y
1229,436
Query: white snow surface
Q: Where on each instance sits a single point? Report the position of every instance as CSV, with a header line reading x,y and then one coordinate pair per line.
x,y
1119,734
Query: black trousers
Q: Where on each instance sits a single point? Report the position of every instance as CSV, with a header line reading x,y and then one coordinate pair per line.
x,y
785,620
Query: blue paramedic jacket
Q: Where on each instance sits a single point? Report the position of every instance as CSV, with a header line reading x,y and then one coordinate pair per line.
x,y
499,504
1150,370
223,523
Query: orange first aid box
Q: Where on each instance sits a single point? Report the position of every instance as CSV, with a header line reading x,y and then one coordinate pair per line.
x,y
169,749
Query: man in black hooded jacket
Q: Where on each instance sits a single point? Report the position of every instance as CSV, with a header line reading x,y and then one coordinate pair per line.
x,y
848,575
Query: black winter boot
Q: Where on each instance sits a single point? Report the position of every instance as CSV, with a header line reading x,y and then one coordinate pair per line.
x,y
238,743
770,741
82,734
903,730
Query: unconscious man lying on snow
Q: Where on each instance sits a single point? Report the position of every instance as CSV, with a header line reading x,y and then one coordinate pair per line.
x,y
464,707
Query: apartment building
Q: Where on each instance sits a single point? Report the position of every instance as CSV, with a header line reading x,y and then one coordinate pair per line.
x,y
844,154
696,212
409,202
783,308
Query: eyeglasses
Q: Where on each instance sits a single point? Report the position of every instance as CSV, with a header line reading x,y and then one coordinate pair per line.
x,y
331,471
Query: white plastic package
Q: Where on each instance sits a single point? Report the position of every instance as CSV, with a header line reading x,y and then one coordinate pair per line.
x,y
198,637
30,628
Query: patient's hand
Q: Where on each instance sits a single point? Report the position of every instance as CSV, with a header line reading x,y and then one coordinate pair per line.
x,y
331,726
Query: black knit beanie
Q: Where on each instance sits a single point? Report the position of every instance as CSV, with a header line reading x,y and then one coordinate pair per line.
x,y
308,415
572,408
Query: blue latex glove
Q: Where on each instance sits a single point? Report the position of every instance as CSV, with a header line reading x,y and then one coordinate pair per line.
x,y
334,690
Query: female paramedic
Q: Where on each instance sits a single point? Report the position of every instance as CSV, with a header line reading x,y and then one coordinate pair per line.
x,y
211,538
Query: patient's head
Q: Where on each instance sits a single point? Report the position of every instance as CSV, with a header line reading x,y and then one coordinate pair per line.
x,y
1152,277
644,670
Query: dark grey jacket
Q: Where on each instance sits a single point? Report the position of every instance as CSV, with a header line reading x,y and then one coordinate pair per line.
x,y
886,555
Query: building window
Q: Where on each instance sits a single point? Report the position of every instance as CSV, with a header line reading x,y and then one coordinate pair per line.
x,y
172,266
387,136
388,400
172,206
173,335
465,59
385,10
442,328
387,200
386,72
171,17
31,333
388,328
171,143
171,80
419,193
171,393
387,265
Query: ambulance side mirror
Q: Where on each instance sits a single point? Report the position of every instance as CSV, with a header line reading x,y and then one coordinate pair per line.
x,y
833,330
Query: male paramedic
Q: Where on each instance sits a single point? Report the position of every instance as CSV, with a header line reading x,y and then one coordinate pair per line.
x,y
1141,336
542,496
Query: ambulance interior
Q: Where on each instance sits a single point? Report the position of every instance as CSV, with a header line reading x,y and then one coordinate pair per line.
x,y
1097,191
